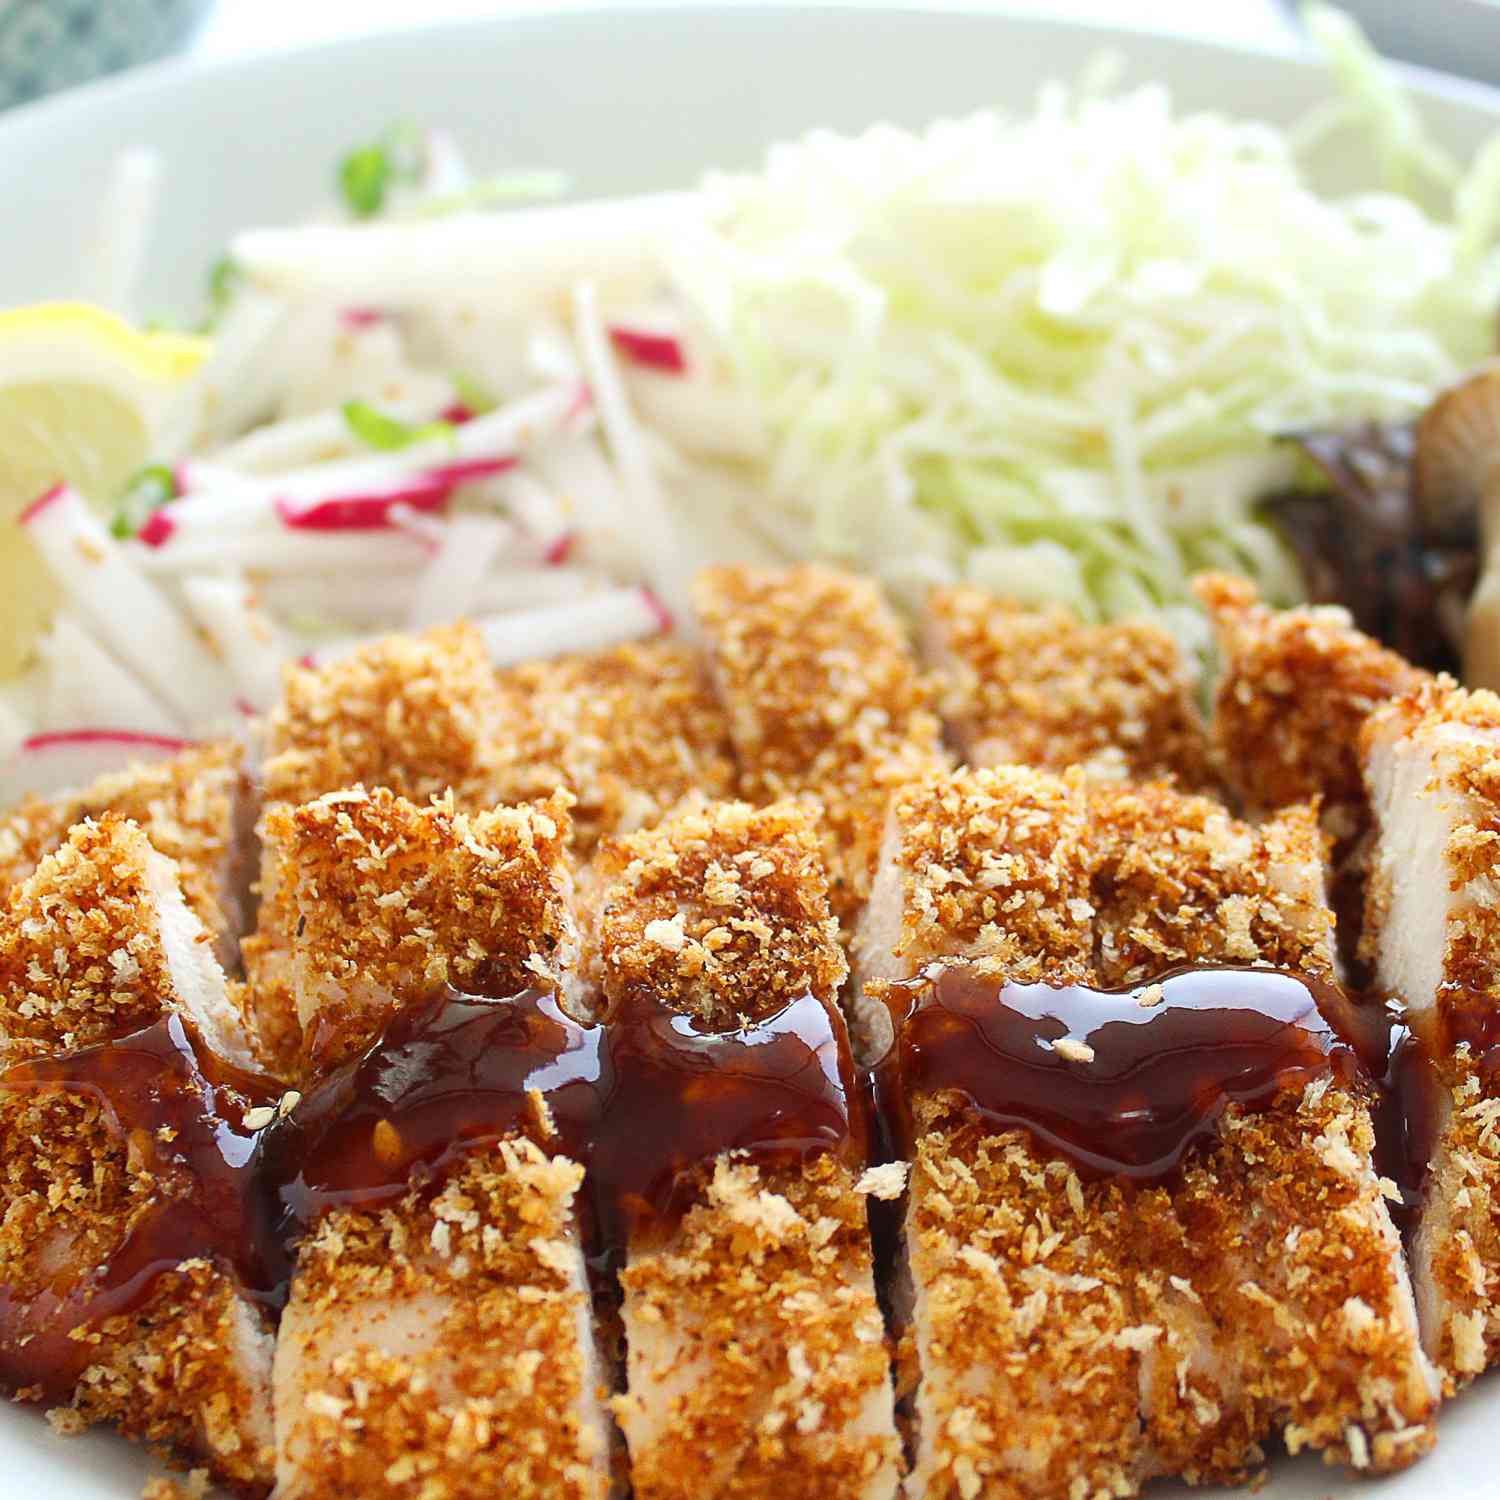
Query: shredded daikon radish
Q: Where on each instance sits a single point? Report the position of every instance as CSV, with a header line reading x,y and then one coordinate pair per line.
x,y
586,625
525,256
120,605
654,536
252,645
450,585
127,213
84,684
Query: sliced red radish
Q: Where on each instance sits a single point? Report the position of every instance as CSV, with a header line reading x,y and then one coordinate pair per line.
x,y
156,529
126,739
40,504
652,351
56,762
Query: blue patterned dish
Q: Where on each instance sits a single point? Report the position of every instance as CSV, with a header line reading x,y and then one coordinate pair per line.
x,y
50,44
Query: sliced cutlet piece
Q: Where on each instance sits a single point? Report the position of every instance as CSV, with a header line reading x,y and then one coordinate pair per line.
x,y
1296,686
98,941
1177,880
439,1345
421,715
629,732
195,808
755,1349
1015,1284
1271,1260
443,1346
1041,688
390,900
1432,765
824,700
94,946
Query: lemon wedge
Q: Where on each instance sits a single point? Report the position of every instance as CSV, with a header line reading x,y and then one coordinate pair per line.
x,y
83,397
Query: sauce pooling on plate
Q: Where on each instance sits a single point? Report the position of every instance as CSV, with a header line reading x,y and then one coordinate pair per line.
x,y
1121,1082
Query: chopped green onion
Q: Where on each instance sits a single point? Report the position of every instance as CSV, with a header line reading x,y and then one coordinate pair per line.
x,y
224,279
148,489
364,176
508,187
367,173
472,394
388,433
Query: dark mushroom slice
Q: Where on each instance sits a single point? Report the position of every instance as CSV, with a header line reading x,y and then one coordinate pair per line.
x,y
1456,485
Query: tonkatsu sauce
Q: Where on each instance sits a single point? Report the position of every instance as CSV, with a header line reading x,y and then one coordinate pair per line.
x,y
1121,1082
642,1103
1405,1117
645,1103
181,1112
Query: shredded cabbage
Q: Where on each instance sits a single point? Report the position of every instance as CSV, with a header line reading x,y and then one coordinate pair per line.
x,y
1052,354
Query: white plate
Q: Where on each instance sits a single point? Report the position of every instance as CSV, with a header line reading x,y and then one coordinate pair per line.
x,y
623,101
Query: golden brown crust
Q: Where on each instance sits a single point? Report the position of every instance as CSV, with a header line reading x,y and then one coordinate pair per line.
x,y
392,901
1297,686
187,806
81,955
1178,881
174,1371
418,714
630,732
995,865
1466,776
1453,736
489,1401
824,700
1041,688
776,1380
1460,1248
721,912
1023,1318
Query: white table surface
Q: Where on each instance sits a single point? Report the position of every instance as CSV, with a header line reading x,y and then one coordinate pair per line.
x,y
236,27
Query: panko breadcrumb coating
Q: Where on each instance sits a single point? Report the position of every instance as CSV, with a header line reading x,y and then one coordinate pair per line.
x,y
825,701
1077,1336
95,948
419,715
98,941
721,913
194,808
629,732
393,901
1432,765
992,865
439,1349
1041,688
1177,880
1297,685
756,1360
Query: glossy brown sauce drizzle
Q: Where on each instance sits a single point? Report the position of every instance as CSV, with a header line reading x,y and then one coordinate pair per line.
x,y
645,1104
181,1112
1121,1082
1407,1109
